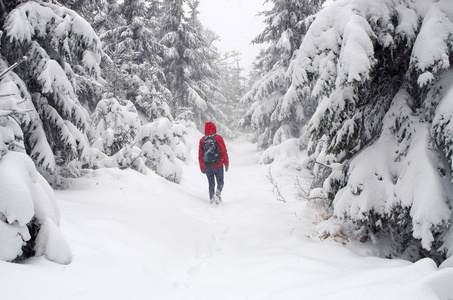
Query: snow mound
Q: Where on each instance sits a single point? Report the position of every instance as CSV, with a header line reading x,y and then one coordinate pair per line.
x,y
26,201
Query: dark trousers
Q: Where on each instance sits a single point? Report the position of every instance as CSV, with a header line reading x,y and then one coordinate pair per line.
x,y
214,174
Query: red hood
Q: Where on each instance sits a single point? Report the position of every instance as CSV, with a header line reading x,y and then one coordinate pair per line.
x,y
209,128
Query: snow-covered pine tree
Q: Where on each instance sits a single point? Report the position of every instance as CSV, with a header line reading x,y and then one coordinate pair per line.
x,y
134,71
89,90
189,64
381,72
277,111
172,33
56,41
233,85
29,214
134,93
203,71
90,10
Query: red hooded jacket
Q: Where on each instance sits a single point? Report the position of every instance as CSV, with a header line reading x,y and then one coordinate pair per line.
x,y
210,129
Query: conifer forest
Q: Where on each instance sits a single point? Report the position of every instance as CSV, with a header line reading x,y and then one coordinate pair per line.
x,y
348,104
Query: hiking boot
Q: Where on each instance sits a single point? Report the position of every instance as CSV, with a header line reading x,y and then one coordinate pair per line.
x,y
218,197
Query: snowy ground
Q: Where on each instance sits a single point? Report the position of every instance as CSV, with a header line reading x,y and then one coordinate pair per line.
x,y
136,236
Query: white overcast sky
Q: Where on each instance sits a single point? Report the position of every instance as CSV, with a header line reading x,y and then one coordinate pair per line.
x,y
237,24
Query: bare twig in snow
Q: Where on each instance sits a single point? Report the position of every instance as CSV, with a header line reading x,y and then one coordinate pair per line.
x,y
276,188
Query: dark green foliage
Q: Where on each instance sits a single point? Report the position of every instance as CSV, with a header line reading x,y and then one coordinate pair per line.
x,y
28,249
387,99
393,232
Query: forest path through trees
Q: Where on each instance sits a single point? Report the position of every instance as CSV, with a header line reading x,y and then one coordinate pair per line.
x,y
257,247
136,236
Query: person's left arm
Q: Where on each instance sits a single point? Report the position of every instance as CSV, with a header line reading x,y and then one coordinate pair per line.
x,y
223,151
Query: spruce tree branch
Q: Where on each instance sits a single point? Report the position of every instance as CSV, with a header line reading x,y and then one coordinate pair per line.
x,y
6,95
12,67
324,165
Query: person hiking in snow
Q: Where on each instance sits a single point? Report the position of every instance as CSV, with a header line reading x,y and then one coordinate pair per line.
x,y
212,156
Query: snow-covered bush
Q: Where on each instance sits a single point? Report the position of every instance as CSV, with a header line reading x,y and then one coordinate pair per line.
x,y
162,143
29,214
114,125
287,154
129,157
381,125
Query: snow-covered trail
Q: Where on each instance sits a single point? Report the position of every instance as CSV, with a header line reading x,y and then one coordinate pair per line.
x,y
136,236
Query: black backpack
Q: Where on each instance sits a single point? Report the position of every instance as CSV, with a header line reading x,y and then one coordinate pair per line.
x,y
210,151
